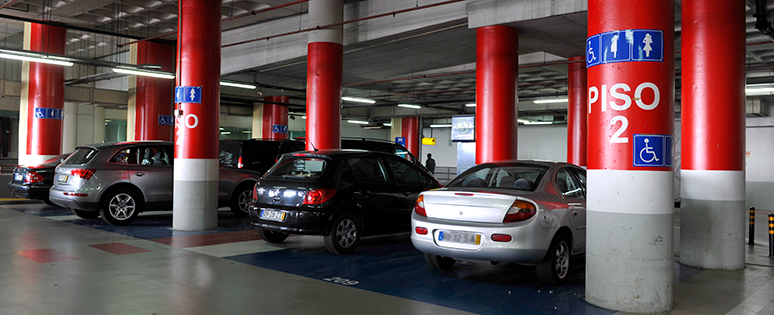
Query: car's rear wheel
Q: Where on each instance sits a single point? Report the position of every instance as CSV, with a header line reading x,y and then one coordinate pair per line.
x,y
86,214
344,235
240,200
438,262
272,236
121,207
555,266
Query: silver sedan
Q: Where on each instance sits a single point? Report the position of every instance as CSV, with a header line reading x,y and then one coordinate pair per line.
x,y
526,212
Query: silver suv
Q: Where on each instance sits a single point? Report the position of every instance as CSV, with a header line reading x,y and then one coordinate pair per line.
x,y
119,180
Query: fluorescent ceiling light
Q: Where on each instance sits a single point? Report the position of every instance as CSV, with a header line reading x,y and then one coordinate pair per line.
x,y
538,123
304,117
238,85
410,106
388,124
147,73
758,90
441,126
358,100
359,122
470,105
37,59
553,100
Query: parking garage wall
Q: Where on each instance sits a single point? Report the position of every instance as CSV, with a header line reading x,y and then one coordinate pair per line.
x,y
760,162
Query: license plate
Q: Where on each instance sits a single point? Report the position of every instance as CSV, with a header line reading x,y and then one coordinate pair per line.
x,y
459,237
273,215
18,177
62,178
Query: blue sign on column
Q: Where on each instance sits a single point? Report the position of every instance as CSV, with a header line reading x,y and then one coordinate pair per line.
x,y
48,113
624,46
279,128
616,46
593,54
648,45
166,120
652,150
188,94
400,140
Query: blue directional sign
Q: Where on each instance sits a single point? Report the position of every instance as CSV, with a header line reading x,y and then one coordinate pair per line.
x,y
625,46
400,140
279,128
48,113
166,120
652,150
188,94
616,46
648,45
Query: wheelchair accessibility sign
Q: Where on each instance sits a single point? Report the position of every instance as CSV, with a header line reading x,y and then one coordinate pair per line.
x,y
653,150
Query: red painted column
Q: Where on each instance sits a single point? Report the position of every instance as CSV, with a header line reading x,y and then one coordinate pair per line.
x,y
576,111
497,61
274,114
154,95
324,75
629,207
410,130
713,134
46,93
196,128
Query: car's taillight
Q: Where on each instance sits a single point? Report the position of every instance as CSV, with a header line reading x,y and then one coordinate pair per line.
x,y
501,237
419,207
520,211
239,163
84,173
33,177
318,196
421,230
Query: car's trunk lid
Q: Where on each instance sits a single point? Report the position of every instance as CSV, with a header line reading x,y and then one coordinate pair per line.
x,y
464,205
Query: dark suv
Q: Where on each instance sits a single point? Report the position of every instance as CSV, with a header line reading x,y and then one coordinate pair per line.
x,y
260,154
340,194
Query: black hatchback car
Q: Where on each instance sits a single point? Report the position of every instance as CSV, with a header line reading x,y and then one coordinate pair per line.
x,y
340,194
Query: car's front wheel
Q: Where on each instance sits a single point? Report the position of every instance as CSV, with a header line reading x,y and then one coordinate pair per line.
x,y
272,236
240,200
438,262
555,266
121,207
344,235
86,214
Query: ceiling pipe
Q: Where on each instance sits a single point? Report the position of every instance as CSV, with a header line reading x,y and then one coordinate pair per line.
x,y
251,13
8,3
762,22
393,13
76,28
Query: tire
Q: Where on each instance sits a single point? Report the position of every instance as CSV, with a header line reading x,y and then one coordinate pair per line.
x,y
240,200
121,206
272,236
86,214
344,235
438,262
555,266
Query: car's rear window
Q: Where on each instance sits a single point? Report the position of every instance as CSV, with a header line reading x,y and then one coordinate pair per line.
x,y
81,156
518,177
54,161
304,168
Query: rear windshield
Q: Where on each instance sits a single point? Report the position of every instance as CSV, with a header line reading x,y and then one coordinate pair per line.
x,y
229,153
54,161
81,156
518,177
305,168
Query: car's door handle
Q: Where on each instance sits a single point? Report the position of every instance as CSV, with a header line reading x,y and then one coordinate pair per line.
x,y
139,173
362,193
406,193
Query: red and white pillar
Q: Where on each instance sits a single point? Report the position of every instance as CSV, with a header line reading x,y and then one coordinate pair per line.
x,y
195,205
576,111
497,61
270,121
42,96
410,130
324,75
152,97
630,64
713,134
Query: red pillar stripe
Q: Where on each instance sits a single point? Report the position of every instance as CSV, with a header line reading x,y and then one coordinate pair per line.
x,y
46,90
410,130
153,95
576,113
275,114
497,59
713,112
323,110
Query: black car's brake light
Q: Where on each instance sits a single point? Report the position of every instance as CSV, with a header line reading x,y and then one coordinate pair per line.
x,y
419,207
84,173
318,196
520,211
239,163
33,177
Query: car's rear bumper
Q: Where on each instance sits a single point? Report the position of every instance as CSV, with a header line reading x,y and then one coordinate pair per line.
x,y
296,222
85,203
29,191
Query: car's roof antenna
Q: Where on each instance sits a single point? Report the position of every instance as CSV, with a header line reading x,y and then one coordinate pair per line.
x,y
310,141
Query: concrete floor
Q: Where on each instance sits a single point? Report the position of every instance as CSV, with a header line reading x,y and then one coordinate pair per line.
x,y
52,262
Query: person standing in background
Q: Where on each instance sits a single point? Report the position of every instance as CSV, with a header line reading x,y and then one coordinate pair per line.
x,y
430,164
